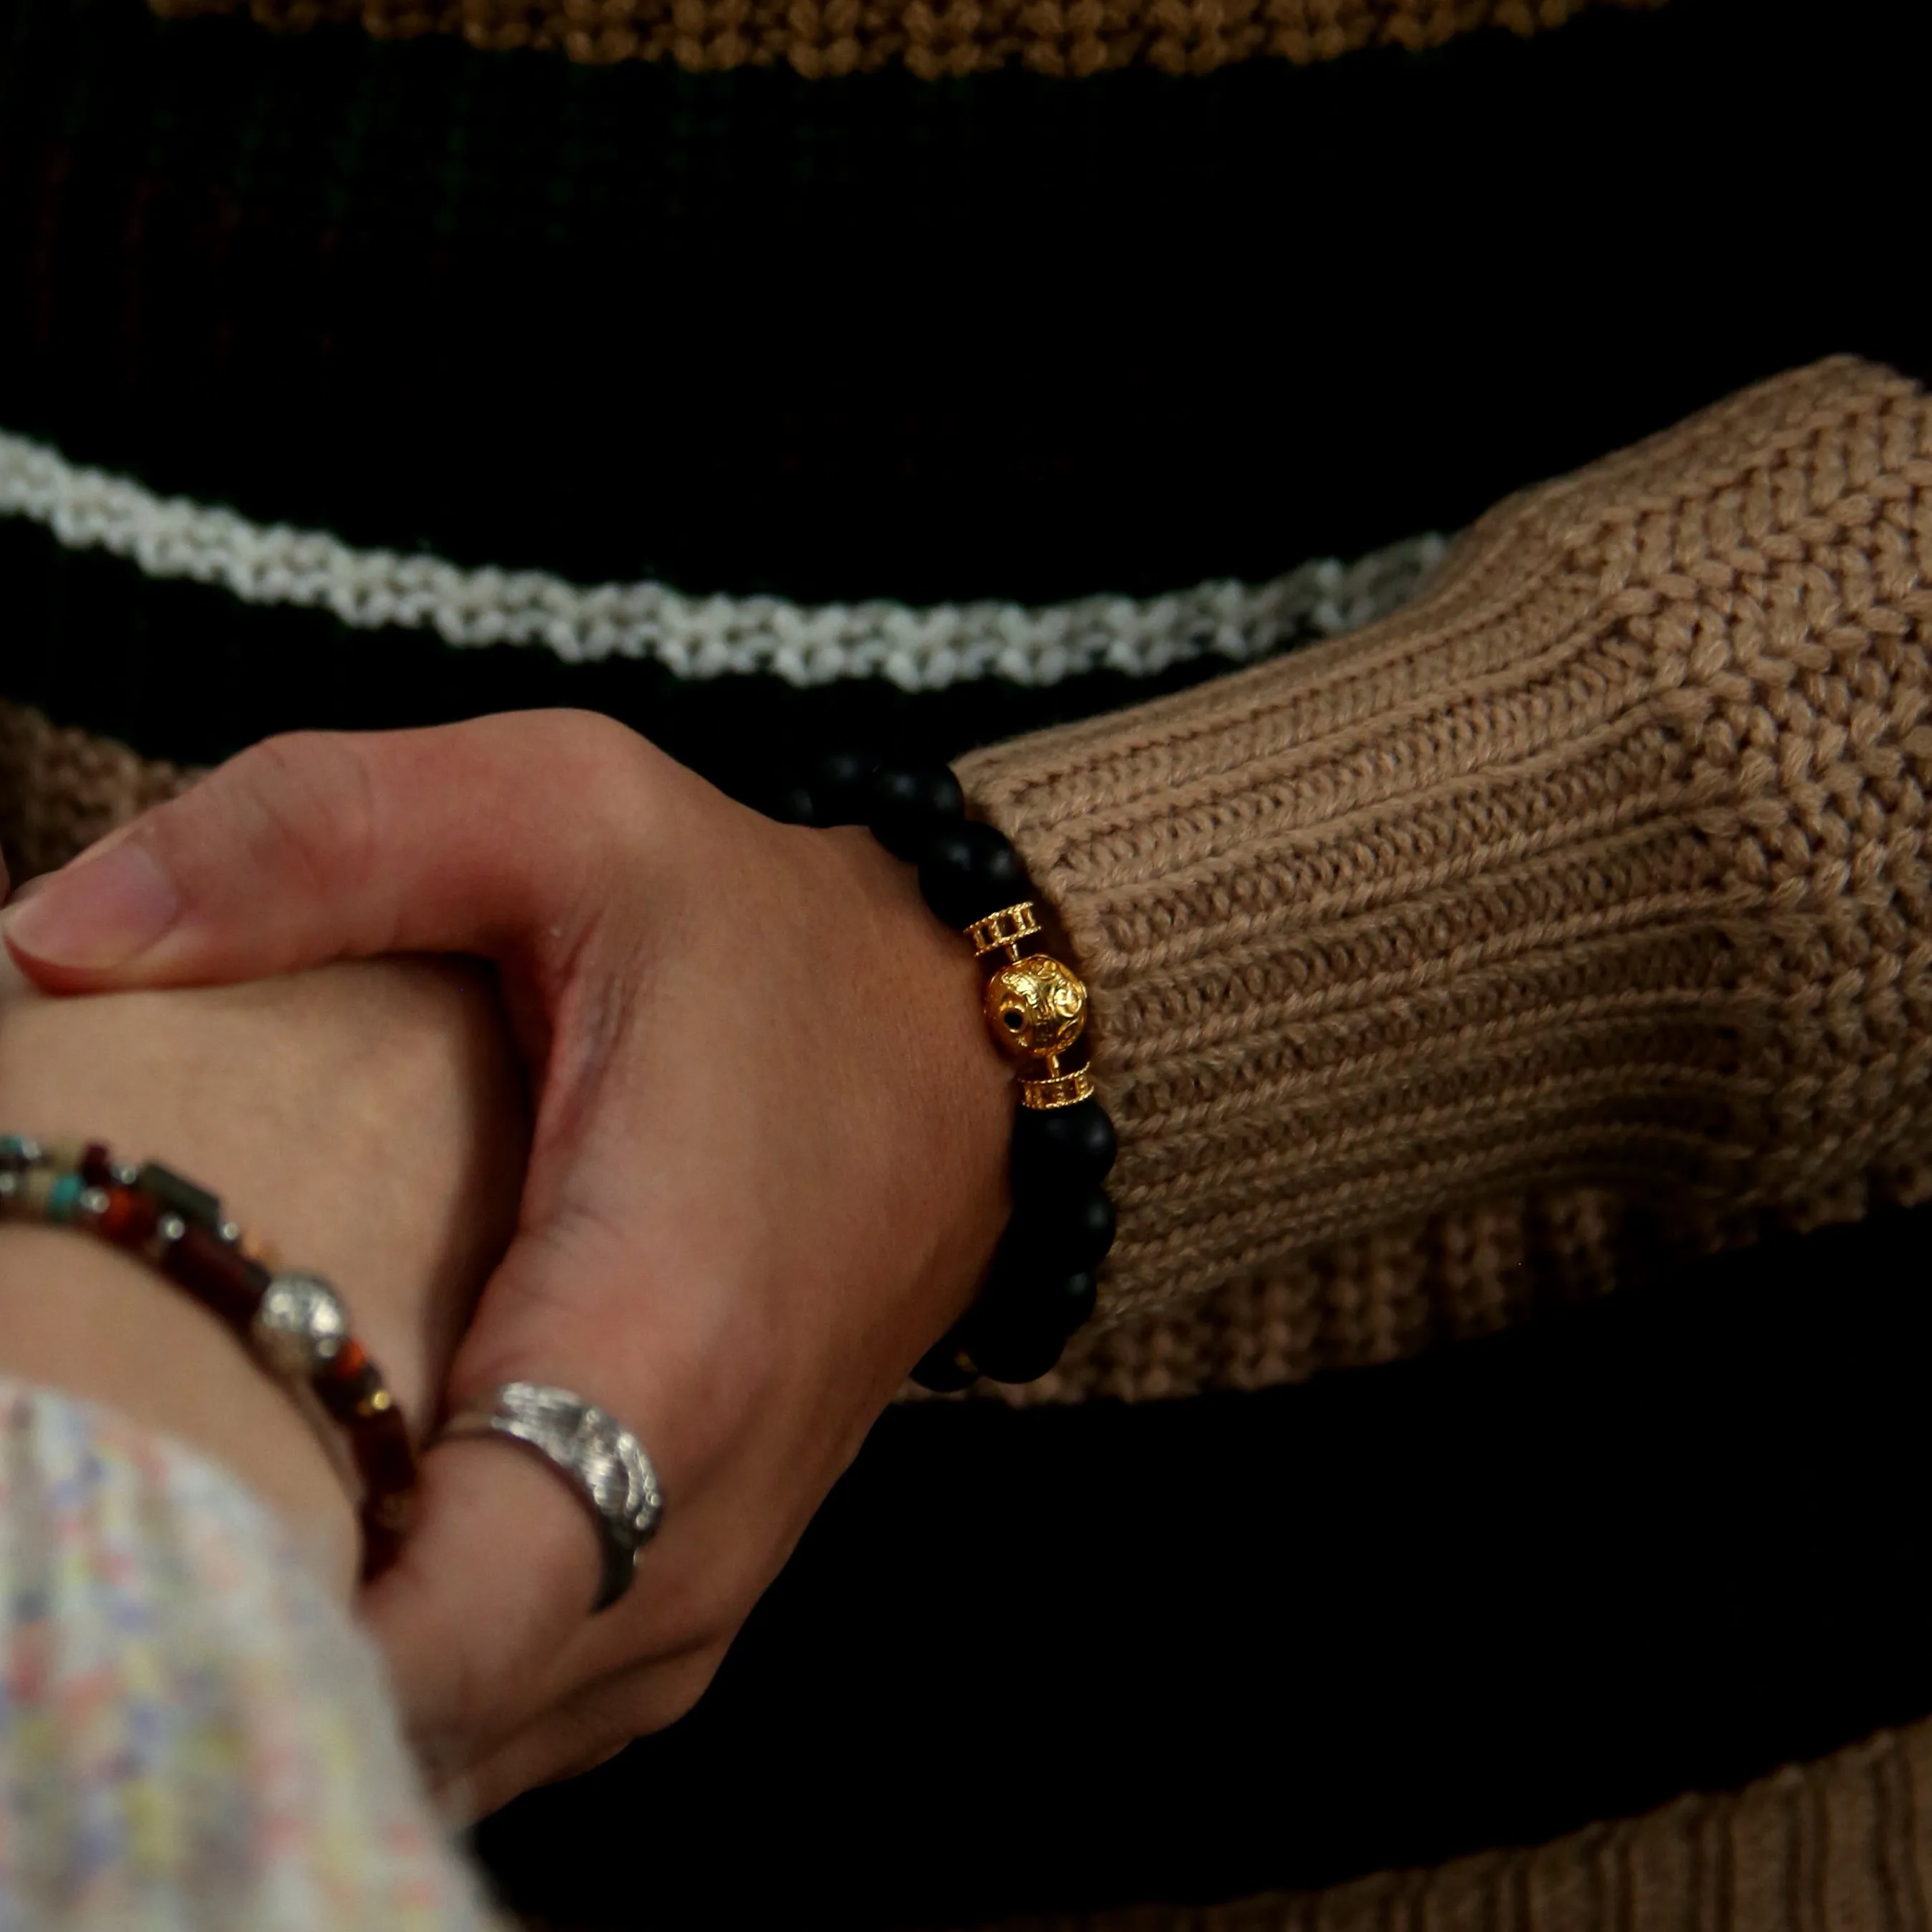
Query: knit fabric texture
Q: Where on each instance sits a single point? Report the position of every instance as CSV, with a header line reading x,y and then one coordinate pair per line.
x,y
61,789
1601,865
1571,921
192,1733
950,38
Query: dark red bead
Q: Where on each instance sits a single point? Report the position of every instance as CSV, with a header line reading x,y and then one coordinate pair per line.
x,y
342,1395
97,1164
143,1216
383,1457
114,1220
382,1544
219,1276
347,1363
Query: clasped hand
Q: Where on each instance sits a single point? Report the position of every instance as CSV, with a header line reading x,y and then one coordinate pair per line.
x,y
767,1164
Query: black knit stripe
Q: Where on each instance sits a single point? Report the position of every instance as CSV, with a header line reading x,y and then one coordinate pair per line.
x,y
185,671
1005,337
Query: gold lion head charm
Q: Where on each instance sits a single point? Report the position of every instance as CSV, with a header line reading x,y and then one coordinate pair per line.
x,y
1036,1006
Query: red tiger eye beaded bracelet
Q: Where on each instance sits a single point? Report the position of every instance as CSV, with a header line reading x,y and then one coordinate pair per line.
x,y
294,1323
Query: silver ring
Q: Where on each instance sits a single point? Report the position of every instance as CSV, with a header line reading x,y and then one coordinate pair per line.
x,y
604,1463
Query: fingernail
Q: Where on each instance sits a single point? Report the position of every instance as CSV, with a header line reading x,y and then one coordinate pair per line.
x,y
102,910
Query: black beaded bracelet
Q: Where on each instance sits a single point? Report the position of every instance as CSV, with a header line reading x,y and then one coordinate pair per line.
x,y
1041,1285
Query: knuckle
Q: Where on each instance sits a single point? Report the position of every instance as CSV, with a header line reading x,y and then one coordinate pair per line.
x,y
309,808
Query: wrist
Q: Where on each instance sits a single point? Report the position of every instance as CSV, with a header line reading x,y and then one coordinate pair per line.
x,y
81,1317
1043,1284
350,1117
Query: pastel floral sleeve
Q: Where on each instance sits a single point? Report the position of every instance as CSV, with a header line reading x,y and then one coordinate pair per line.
x,y
193,1736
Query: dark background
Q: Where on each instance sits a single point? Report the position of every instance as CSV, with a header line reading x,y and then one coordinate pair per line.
x,y
1191,1649
1027,339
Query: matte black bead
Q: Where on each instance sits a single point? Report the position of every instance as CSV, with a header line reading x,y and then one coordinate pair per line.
x,y
970,871
790,805
1071,1299
939,1369
911,806
179,1195
1020,1357
1025,1294
1056,1148
839,787
1063,1231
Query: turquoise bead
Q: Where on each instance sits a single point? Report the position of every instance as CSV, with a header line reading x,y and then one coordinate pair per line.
x,y
66,1192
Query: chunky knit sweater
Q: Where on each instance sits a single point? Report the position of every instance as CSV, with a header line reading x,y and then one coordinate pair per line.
x,y
1587,895
1575,914
1539,904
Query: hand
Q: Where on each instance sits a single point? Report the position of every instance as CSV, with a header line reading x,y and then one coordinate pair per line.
x,y
284,1096
768,1167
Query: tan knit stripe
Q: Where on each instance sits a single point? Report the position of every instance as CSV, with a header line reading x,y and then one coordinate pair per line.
x,y
1837,1845
953,38
61,790
1545,807
1530,898
1685,1063
1188,1250
1416,748
1325,693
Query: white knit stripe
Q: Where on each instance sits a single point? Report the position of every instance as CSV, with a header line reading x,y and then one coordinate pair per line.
x,y
922,648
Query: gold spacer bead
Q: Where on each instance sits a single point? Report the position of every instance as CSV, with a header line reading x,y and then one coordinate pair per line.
x,y
1063,1090
1007,927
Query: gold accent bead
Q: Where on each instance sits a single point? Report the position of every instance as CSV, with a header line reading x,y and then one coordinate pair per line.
x,y
1061,1090
375,1403
1002,931
1035,1007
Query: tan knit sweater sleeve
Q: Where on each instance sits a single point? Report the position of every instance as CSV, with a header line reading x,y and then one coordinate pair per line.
x,y
1601,867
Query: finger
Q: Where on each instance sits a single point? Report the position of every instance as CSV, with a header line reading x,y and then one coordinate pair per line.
x,y
588,1729
324,844
486,1617
495,1582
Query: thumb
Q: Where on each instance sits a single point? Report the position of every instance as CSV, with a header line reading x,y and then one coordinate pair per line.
x,y
322,845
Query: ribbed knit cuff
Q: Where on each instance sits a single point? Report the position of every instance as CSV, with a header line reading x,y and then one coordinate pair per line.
x,y
1600,864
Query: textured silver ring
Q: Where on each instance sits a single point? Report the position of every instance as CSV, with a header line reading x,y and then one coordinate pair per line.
x,y
604,1463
